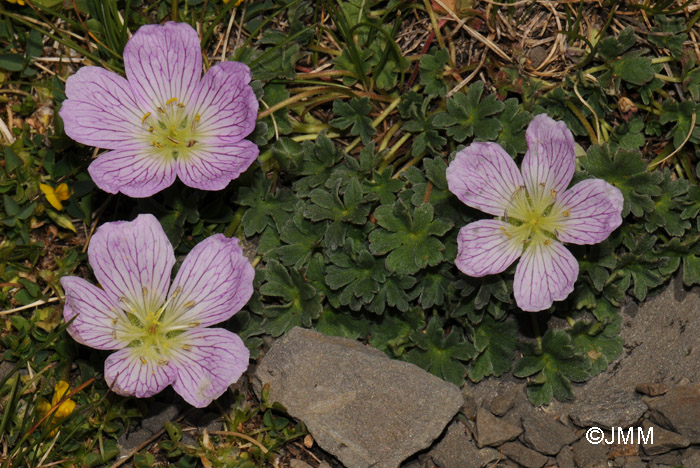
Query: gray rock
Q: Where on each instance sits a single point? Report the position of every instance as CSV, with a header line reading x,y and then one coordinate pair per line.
x,y
670,459
661,339
587,455
523,455
565,458
5,368
469,406
159,414
664,441
358,404
679,411
544,434
603,407
502,403
493,431
633,462
458,450
691,457
661,346
294,463
651,389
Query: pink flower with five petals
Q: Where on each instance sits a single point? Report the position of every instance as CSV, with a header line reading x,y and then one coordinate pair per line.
x,y
164,120
535,211
158,329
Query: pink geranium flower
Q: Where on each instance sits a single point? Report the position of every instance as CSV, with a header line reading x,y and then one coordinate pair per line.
x,y
165,119
158,328
535,212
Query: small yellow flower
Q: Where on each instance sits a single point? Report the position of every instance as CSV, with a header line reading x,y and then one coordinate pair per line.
x,y
18,2
63,410
57,195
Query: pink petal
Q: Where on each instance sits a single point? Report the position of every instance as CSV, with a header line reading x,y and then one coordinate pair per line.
x,y
545,273
128,373
101,109
484,177
485,248
226,104
164,62
594,209
550,157
213,167
133,258
95,311
213,360
137,172
214,282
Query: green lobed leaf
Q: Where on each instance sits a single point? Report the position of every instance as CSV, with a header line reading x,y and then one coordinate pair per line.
x,y
627,171
441,354
469,115
495,341
552,368
354,115
410,241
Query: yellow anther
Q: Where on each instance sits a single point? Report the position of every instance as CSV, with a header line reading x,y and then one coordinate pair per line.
x,y
177,291
150,129
147,115
160,109
186,347
170,101
143,360
173,140
193,324
189,305
163,362
547,242
197,117
191,143
541,184
566,214
144,290
554,194
157,145
506,232
115,320
179,104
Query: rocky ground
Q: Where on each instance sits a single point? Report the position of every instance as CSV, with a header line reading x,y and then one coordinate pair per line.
x,y
367,411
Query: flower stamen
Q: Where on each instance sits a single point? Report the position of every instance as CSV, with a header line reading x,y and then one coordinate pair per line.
x,y
170,101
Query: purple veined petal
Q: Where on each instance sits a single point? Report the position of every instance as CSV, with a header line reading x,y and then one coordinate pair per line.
x,y
591,211
132,258
214,282
486,248
101,109
95,312
128,373
226,104
485,177
137,172
545,273
212,360
550,158
164,62
213,167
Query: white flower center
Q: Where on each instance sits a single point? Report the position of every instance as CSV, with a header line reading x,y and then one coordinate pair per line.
x,y
172,131
153,330
534,217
